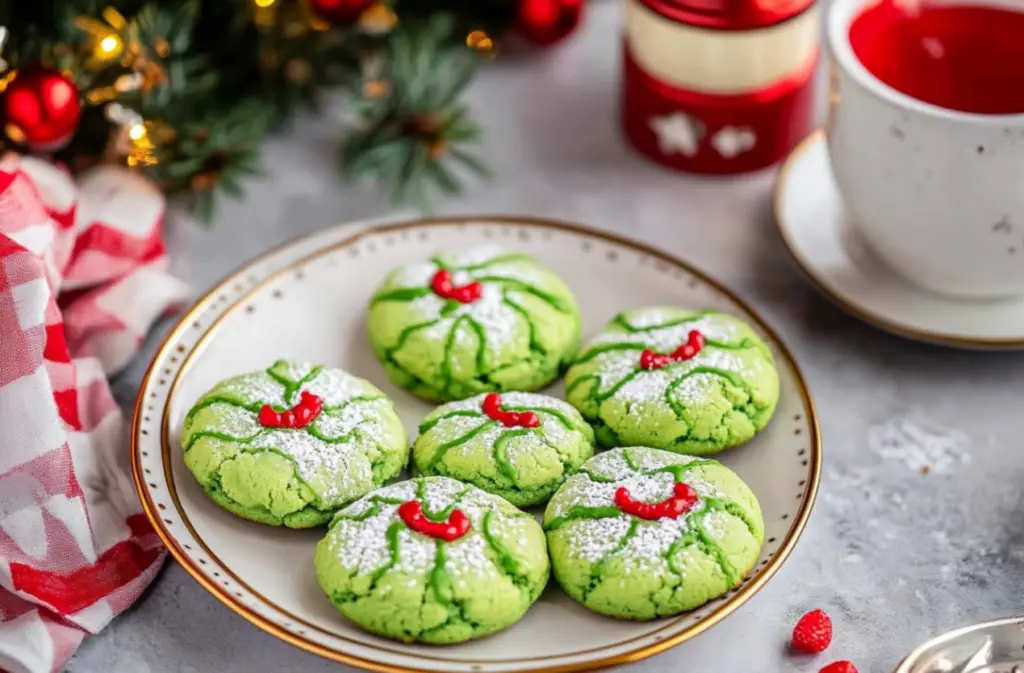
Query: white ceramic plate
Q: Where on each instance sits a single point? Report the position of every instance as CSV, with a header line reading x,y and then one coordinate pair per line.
x,y
307,300
824,241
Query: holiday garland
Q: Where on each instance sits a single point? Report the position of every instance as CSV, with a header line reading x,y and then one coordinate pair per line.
x,y
186,91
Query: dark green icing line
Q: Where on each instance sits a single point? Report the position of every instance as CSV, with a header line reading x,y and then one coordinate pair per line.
x,y
256,406
555,302
680,409
620,320
443,449
222,436
712,549
218,399
611,346
678,471
378,503
401,294
595,570
580,381
580,512
368,514
404,335
428,425
686,540
562,417
440,582
316,432
290,387
350,401
729,376
500,259
506,558
394,530
507,468
481,349
735,510
421,496
534,342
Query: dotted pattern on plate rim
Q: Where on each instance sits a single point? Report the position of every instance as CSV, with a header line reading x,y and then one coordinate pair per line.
x,y
149,456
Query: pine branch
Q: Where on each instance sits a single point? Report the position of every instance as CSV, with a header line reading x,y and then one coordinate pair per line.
x,y
408,125
201,84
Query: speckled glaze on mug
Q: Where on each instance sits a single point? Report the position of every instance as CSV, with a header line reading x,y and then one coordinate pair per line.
x,y
938,194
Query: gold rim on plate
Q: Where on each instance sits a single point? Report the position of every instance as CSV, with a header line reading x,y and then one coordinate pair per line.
x,y
757,580
862,313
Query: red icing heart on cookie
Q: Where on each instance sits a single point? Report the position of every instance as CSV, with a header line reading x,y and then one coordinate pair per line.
x,y
682,500
442,286
510,419
694,343
455,527
299,416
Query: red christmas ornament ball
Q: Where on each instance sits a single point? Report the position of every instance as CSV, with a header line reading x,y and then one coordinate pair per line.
x,y
545,22
40,108
340,11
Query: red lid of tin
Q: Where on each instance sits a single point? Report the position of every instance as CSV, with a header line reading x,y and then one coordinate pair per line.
x,y
728,14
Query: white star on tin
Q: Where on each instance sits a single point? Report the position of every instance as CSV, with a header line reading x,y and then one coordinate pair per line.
x,y
677,132
731,141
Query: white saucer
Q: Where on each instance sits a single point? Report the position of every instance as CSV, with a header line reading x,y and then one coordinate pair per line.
x,y
815,227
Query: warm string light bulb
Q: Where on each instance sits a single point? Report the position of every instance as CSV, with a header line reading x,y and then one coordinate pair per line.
x,y
263,4
110,45
481,42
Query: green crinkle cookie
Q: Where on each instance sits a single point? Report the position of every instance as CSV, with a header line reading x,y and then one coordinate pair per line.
x,y
519,334
524,465
394,581
717,399
629,567
296,477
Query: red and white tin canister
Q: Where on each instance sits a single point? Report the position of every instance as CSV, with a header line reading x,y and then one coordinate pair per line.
x,y
719,86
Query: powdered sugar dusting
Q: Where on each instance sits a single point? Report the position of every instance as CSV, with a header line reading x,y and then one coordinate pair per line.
x,y
335,470
592,539
499,323
234,421
472,256
647,549
292,370
468,557
653,460
651,385
362,546
551,434
419,274
920,448
715,522
667,339
255,388
335,386
645,387
535,401
362,415
330,469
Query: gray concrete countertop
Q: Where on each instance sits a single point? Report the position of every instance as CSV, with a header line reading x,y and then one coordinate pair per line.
x,y
895,555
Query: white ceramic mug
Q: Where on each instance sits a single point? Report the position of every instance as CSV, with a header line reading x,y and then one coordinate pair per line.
x,y
938,194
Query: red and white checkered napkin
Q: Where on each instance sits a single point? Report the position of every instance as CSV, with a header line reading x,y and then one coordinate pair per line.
x,y
82,276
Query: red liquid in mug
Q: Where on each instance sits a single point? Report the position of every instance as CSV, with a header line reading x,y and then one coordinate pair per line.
x,y
962,57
